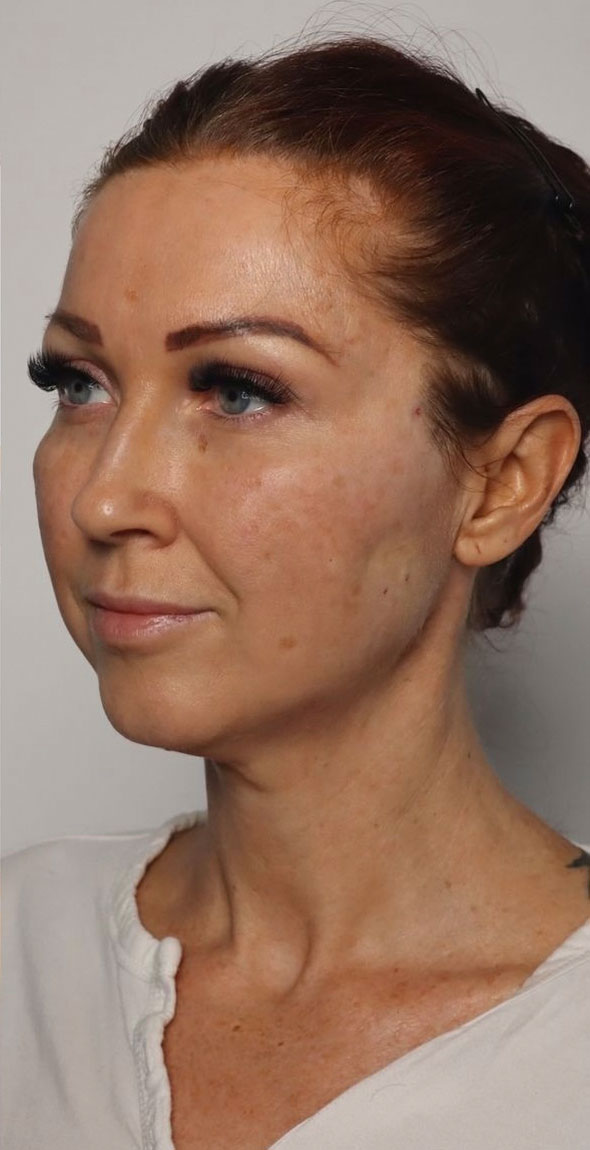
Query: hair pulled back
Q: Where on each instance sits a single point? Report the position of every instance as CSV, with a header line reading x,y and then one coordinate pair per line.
x,y
485,267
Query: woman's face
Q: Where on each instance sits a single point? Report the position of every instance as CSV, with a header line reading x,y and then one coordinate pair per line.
x,y
317,532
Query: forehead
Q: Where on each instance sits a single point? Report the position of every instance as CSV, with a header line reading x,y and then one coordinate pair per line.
x,y
220,236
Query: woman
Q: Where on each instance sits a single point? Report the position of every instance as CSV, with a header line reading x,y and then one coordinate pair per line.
x,y
321,357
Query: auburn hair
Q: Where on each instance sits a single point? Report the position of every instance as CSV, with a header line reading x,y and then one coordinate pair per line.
x,y
485,267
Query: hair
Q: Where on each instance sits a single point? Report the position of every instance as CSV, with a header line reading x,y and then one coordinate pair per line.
x,y
484,267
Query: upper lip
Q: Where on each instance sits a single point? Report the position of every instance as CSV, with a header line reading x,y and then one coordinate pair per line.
x,y
134,605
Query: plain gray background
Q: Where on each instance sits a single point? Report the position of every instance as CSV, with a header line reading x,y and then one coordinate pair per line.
x,y
75,76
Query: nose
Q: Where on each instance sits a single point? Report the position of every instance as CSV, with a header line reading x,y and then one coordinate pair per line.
x,y
129,489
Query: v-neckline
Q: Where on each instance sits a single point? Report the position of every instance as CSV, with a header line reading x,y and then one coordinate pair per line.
x,y
143,954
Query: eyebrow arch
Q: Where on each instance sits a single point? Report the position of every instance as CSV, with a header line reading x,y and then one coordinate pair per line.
x,y
197,332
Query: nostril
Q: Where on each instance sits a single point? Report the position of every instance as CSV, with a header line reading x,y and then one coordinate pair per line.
x,y
115,516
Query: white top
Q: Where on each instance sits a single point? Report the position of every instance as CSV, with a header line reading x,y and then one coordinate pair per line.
x,y
87,992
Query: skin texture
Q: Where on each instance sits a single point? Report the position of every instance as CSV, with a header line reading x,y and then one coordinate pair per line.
x,y
353,815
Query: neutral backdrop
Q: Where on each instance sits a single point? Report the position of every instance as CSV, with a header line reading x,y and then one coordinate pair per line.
x,y
74,76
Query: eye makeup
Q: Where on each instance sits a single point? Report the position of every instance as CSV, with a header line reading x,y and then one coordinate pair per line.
x,y
53,371
218,372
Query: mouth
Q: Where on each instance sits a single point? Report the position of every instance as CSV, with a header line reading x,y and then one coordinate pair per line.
x,y
122,620
138,605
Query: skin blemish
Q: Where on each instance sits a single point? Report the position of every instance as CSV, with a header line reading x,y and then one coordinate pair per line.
x,y
203,442
418,411
583,859
287,641
131,294
385,590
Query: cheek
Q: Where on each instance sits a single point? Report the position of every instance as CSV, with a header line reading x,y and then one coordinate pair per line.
x,y
323,537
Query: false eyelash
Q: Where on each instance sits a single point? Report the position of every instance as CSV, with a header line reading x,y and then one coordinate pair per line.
x,y
50,370
216,372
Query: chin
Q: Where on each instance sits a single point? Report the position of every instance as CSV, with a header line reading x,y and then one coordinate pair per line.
x,y
159,719
155,731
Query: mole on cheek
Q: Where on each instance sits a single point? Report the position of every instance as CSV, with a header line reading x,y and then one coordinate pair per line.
x,y
287,641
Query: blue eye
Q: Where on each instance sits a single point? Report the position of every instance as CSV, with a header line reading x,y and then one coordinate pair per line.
x,y
52,371
78,388
240,384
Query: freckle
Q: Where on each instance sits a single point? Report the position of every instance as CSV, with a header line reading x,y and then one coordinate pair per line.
x,y
356,589
287,641
266,555
237,1026
203,442
408,577
385,590
447,884
131,294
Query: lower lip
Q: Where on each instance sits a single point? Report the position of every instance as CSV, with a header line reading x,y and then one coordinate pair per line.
x,y
119,627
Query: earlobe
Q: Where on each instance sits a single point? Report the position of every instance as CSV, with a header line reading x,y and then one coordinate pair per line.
x,y
527,464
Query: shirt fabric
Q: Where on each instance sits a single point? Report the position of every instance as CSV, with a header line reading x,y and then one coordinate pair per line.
x,y
87,992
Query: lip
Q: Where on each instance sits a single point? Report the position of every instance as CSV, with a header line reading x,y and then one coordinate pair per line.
x,y
124,620
136,605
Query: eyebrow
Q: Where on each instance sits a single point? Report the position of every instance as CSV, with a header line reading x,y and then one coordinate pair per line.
x,y
83,329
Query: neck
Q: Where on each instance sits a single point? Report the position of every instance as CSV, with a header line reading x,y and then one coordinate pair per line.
x,y
377,838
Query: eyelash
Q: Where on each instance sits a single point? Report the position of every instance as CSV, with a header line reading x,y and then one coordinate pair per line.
x,y
53,371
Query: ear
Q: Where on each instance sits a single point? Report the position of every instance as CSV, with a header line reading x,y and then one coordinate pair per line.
x,y
520,472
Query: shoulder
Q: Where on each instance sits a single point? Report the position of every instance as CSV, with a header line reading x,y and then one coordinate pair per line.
x,y
68,861
66,891
60,888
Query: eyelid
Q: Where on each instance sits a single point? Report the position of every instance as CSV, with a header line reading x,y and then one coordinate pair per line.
x,y
85,374
211,374
94,359
214,373
50,370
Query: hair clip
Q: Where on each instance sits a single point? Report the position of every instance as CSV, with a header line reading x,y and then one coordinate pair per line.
x,y
562,197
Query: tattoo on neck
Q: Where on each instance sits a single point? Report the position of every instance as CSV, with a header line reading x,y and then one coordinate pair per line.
x,y
583,859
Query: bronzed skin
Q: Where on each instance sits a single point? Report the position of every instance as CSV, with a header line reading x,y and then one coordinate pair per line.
x,y
353,815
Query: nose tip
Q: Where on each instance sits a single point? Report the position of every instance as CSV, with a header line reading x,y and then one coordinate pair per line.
x,y
109,512
127,488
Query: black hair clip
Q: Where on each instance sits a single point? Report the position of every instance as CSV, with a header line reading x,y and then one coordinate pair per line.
x,y
562,197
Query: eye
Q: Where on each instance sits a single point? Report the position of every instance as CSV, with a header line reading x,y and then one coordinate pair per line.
x,y
52,371
84,391
240,386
